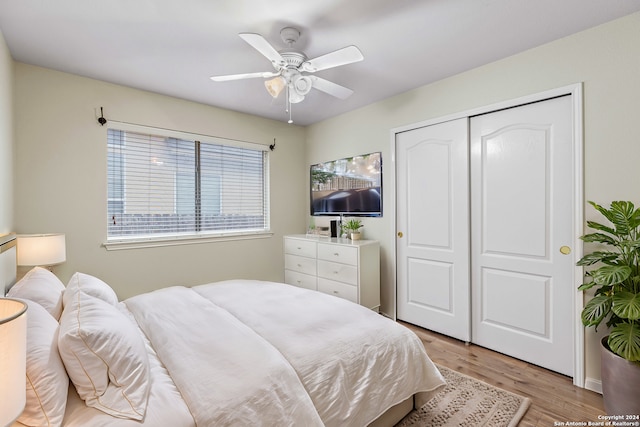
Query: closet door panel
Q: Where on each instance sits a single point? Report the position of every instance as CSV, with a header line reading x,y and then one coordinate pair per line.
x,y
515,179
433,228
522,171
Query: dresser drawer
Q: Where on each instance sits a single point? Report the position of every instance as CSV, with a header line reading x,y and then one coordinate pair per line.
x,y
300,279
300,247
338,272
338,253
338,289
300,264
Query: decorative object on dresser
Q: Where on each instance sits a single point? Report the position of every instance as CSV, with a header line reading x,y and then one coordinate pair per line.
x,y
13,344
345,268
352,228
44,250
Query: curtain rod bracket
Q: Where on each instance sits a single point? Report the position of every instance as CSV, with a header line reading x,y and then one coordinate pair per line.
x,y
273,146
101,119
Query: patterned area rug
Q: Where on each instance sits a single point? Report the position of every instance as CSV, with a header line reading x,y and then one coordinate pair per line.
x,y
466,401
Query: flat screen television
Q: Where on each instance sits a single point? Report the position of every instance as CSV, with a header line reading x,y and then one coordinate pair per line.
x,y
351,186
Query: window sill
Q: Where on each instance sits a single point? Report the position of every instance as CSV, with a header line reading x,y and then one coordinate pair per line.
x,y
155,242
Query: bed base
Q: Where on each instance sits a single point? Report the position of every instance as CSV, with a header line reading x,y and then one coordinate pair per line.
x,y
396,413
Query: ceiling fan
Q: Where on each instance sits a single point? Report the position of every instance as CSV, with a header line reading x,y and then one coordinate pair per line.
x,y
293,70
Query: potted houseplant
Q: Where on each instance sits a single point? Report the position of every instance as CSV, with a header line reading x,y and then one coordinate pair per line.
x,y
352,228
615,280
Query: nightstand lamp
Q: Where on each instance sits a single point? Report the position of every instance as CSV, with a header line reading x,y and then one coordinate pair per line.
x,y
44,250
13,359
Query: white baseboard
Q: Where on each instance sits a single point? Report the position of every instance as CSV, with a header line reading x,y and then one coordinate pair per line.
x,y
593,385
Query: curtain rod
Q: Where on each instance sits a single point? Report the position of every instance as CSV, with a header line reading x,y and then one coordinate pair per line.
x,y
102,120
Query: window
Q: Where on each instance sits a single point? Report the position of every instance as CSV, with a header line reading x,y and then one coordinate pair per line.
x,y
167,185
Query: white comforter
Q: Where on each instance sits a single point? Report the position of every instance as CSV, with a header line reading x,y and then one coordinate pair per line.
x,y
260,353
226,373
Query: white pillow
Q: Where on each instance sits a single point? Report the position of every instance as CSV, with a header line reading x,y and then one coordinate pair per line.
x,y
47,381
105,356
92,286
41,286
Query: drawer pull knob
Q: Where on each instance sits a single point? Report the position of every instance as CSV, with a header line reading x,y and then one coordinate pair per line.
x,y
335,292
299,265
299,248
336,254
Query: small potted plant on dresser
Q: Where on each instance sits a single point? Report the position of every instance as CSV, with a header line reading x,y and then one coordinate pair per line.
x,y
616,282
352,228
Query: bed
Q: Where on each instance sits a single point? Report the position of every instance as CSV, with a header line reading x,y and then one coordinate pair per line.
x,y
236,353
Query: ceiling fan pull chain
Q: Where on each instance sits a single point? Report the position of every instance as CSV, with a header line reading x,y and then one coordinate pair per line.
x,y
288,104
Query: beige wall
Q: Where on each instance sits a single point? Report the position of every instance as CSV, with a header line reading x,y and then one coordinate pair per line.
x,y
6,139
60,174
606,59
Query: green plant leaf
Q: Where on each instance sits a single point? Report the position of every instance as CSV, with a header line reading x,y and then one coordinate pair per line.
x,y
353,224
596,310
601,227
604,211
626,305
624,340
586,286
611,274
599,256
599,238
624,216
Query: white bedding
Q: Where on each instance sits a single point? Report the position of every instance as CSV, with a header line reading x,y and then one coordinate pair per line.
x,y
165,406
240,353
227,374
355,364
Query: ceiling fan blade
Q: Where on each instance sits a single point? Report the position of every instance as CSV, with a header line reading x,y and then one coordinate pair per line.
x,y
331,88
229,77
260,44
344,56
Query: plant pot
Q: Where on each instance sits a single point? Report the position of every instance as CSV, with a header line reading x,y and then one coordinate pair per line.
x,y
620,383
355,235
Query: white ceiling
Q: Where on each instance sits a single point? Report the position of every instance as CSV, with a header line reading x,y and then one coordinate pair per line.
x,y
173,47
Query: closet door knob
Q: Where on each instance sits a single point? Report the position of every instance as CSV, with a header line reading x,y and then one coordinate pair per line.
x,y
565,250
400,234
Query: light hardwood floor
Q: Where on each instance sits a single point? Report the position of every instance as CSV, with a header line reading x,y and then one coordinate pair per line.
x,y
554,398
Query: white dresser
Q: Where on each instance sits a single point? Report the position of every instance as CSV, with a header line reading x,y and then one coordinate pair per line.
x,y
340,267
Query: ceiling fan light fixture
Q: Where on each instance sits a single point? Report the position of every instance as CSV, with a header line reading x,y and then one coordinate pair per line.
x,y
295,97
302,85
275,86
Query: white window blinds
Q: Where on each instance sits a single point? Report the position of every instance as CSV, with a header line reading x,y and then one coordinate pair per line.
x,y
173,185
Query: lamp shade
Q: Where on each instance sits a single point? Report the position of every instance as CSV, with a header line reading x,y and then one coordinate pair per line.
x,y
41,249
13,359
275,86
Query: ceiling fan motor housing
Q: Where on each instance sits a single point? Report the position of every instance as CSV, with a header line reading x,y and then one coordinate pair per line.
x,y
293,58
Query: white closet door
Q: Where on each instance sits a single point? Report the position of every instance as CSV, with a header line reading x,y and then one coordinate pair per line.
x,y
433,228
522,228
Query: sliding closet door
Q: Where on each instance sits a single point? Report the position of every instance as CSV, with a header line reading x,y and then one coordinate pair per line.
x,y
432,244
522,230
